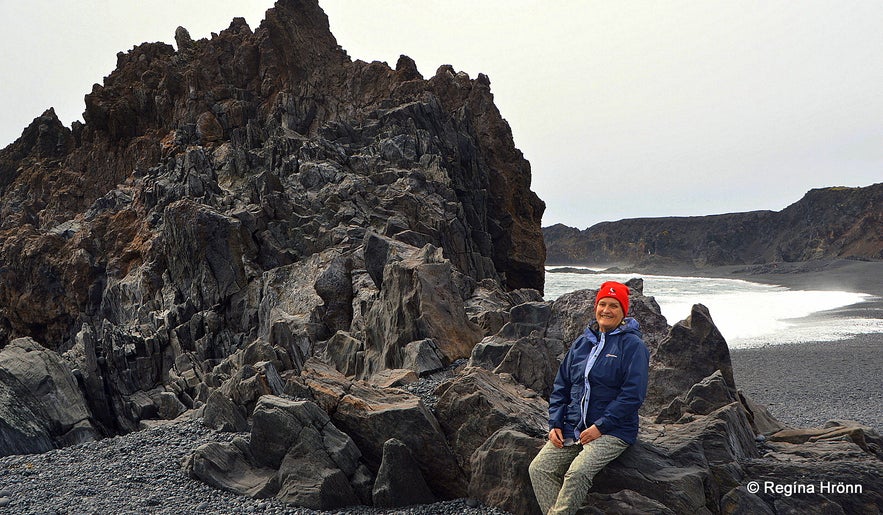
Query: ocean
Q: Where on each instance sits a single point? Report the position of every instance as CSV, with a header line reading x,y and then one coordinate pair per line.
x,y
747,314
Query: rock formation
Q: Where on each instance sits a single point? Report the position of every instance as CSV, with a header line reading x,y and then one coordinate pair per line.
x,y
258,186
827,223
342,264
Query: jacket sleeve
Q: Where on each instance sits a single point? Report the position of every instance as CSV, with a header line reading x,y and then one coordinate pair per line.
x,y
559,399
632,392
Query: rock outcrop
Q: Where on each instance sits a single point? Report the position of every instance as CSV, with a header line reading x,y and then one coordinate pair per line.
x,y
827,223
260,186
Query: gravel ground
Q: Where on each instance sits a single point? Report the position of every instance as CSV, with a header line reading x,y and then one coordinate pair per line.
x,y
141,473
806,384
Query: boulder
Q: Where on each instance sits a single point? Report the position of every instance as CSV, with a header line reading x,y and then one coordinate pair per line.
x,y
520,350
692,351
372,415
309,476
834,430
399,481
419,299
477,403
499,472
295,454
228,466
654,474
489,304
20,427
320,382
42,402
423,357
531,361
222,414
571,314
293,313
393,377
342,350
703,397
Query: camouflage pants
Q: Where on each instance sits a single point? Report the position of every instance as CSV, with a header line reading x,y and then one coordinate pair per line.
x,y
561,478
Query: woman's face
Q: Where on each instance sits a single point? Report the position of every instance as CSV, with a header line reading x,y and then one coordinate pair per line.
x,y
609,314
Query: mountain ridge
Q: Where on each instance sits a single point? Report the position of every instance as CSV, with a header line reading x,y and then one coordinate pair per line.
x,y
827,223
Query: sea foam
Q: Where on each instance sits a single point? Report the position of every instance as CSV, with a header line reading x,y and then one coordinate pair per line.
x,y
747,314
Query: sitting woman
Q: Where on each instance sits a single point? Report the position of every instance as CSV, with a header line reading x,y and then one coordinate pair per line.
x,y
593,407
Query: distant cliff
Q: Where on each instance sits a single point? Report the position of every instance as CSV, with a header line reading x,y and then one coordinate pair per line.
x,y
826,223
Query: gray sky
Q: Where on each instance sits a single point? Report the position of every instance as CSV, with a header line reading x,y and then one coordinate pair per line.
x,y
625,109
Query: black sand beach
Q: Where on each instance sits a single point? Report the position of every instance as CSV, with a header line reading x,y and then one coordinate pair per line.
x,y
806,384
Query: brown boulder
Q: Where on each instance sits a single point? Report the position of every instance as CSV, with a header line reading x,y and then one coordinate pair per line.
x,y
372,415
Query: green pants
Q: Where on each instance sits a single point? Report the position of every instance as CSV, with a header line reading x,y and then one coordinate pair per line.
x,y
561,478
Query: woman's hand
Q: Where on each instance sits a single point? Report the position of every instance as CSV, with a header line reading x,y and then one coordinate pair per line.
x,y
592,433
556,437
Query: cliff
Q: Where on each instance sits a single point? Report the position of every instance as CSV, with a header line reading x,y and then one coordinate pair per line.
x,y
826,223
231,157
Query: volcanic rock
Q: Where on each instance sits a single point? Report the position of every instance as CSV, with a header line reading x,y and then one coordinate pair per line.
x,y
42,405
399,481
294,454
222,193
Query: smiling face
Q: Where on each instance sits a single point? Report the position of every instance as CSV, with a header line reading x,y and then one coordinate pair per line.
x,y
608,313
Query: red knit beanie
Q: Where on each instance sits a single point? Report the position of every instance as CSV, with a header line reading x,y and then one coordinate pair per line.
x,y
616,290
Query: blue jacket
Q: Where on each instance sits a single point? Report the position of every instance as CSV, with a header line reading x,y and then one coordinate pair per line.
x,y
618,382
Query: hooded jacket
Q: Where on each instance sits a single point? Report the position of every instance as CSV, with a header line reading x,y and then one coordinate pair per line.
x,y
618,383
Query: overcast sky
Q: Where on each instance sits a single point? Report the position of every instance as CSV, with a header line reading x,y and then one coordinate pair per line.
x,y
624,109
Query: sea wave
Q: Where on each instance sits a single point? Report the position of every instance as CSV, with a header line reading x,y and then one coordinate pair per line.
x,y
748,314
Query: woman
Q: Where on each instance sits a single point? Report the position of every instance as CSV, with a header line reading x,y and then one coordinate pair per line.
x,y
593,407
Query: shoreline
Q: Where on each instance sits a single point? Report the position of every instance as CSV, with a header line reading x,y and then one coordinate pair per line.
x,y
806,384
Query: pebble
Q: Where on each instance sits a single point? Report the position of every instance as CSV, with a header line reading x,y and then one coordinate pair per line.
x,y
143,474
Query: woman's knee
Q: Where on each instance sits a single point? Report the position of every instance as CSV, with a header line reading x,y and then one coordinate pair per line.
x,y
541,465
536,469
